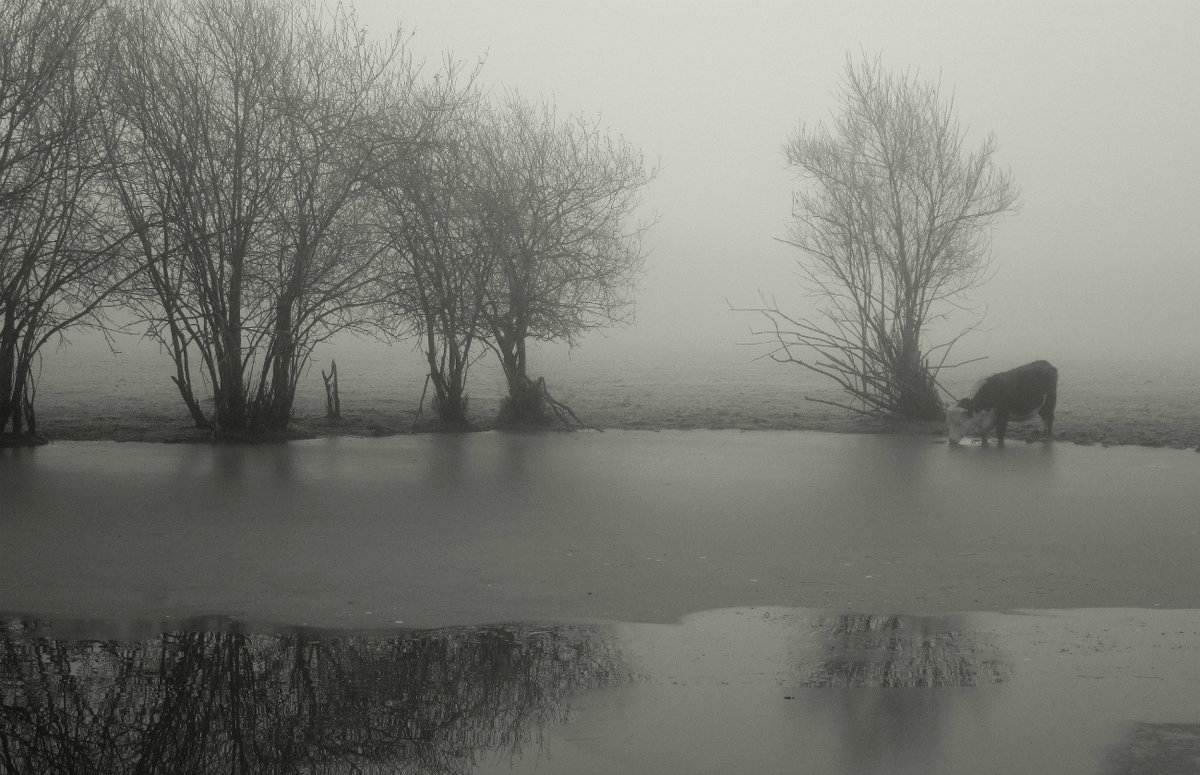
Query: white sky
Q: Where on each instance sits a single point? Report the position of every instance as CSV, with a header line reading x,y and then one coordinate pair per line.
x,y
1096,107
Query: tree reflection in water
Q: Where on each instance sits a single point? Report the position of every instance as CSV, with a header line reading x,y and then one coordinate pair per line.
x,y
894,684
240,702
858,651
1158,749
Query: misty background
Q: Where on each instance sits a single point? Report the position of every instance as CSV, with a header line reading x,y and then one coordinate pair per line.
x,y
1094,104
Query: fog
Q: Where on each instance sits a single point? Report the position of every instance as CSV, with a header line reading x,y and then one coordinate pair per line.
x,y
1094,105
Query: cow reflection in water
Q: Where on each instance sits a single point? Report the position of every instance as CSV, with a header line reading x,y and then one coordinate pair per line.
x,y
236,702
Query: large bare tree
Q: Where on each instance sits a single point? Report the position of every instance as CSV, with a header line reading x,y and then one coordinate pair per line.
x,y
893,228
437,263
560,194
244,137
351,107
198,162
57,236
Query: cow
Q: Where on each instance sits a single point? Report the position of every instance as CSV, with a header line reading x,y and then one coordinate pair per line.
x,y
1017,394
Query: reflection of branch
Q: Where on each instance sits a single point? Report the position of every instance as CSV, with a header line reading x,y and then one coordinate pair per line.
x,y
202,702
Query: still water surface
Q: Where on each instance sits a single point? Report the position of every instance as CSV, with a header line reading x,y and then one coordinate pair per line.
x,y
626,525
416,551
763,690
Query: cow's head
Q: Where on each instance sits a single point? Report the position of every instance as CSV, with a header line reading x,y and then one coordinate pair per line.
x,y
957,421
962,420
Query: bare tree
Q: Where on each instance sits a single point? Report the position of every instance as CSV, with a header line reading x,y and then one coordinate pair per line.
x,y
559,195
57,237
245,134
893,230
197,154
350,110
438,264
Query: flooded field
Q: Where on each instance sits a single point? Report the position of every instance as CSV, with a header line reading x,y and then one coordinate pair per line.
x,y
433,529
737,690
629,601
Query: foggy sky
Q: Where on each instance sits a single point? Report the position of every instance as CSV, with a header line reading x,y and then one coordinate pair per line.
x,y
1095,105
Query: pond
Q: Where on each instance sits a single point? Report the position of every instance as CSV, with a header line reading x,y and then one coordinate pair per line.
x,y
734,690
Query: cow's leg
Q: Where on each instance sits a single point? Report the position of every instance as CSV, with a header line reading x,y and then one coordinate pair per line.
x,y
1047,413
1001,426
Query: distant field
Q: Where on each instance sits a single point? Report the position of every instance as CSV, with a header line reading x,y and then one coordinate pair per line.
x,y
87,392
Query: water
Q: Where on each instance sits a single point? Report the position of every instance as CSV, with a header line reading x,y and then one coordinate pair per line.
x,y
766,690
633,601
223,697
435,529
697,385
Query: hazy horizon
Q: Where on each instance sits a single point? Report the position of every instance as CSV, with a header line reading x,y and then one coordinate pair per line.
x,y
1093,105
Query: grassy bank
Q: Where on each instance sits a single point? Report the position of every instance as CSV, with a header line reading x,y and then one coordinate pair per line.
x,y
168,427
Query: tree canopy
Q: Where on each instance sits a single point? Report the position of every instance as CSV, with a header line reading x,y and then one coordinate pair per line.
x,y
892,224
248,178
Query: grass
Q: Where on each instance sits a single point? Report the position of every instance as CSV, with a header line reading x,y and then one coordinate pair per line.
x,y
167,427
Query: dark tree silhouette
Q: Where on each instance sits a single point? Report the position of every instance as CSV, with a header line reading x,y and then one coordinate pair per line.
x,y
560,193
57,234
893,230
437,265
247,133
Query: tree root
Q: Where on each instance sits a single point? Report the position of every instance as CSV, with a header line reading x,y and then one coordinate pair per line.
x,y
533,406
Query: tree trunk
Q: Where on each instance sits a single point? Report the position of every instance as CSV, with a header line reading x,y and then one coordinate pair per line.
x,y
333,400
917,390
524,404
183,377
511,347
449,399
16,401
27,409
231,409
279,411
9,379
527,403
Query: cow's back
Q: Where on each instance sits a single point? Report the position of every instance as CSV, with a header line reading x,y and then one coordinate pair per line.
x,y
1019,391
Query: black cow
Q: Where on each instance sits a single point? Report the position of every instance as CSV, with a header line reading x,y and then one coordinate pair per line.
x,y
1017,394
